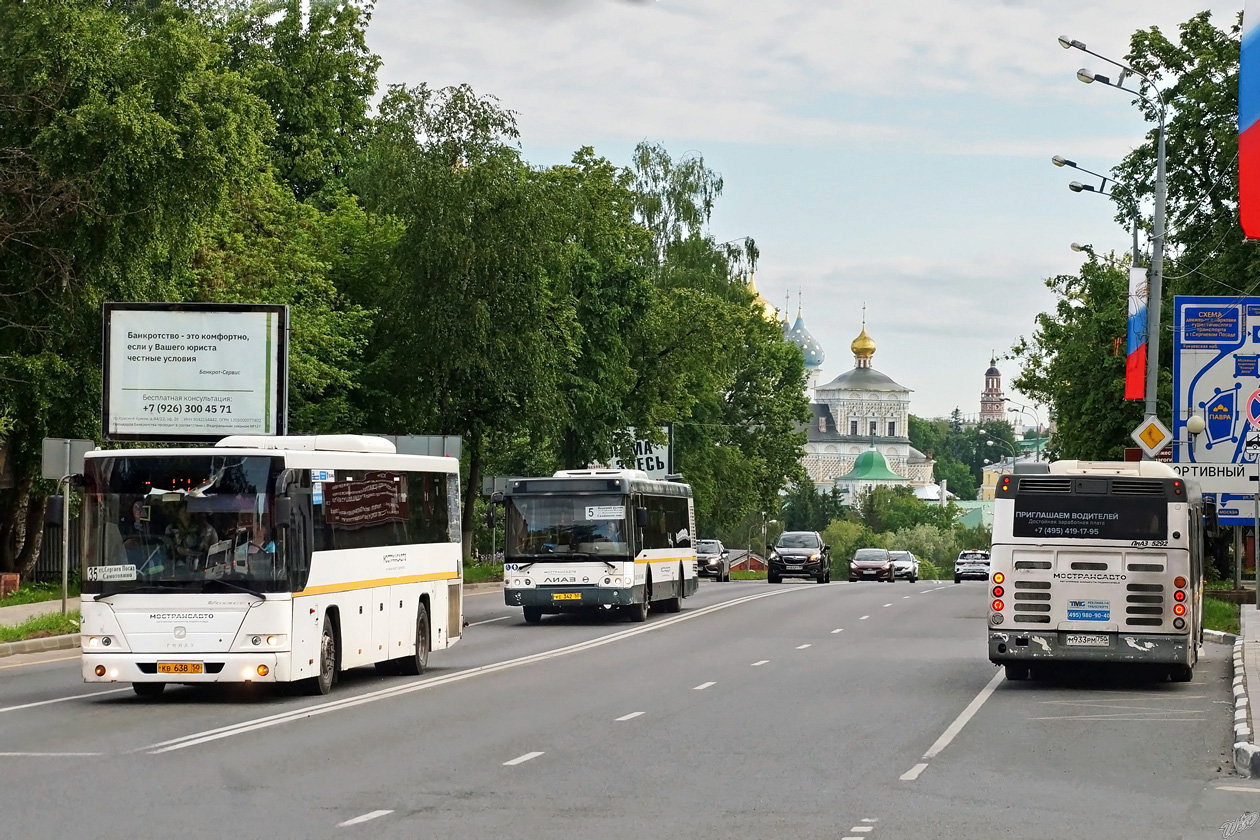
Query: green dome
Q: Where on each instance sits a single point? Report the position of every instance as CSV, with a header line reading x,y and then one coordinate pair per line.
x,y
870,466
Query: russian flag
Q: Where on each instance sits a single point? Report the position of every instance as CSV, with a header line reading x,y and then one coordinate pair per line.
x,y
1248,116
1135,365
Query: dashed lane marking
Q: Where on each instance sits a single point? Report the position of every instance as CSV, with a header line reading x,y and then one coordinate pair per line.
x,y
863,618
490,620
951,731
887,605
837,630
521,759
364,818
760,662
1238,789
801,647
39,662
703,686
904,597
913,773
630,716
63,699
48,754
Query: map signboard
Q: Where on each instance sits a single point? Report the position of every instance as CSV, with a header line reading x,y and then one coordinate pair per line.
x,y
1216,374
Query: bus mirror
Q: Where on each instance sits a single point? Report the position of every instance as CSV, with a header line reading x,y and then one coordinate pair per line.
x,y
283,512
640,517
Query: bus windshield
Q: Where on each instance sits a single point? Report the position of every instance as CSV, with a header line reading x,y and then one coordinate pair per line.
x,y
181,523
550,527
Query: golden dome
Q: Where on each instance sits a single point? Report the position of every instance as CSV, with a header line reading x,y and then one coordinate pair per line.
x,y
767,308
863,346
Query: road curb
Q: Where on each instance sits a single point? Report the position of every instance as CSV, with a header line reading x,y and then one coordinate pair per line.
x,y
1219,637
65,642
1246,753
475,588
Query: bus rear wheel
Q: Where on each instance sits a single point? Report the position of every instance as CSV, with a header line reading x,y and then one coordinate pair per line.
x,y
414,665
674,604
533,615
1181,673
1016,671
148,690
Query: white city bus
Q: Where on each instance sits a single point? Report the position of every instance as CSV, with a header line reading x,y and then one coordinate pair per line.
x,y
598,539
267,560
1097,561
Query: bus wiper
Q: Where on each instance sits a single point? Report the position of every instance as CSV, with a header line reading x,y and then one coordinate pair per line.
x,y
523,567
144,587
238,586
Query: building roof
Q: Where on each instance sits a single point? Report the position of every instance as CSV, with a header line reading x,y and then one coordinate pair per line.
x,y
863,379
837,433
870,466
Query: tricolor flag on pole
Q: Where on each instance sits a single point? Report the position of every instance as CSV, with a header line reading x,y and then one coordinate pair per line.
x,y
1248,117
1135,365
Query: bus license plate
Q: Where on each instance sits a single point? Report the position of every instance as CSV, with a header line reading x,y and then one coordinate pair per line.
x,y
1087,640
180,668
566,596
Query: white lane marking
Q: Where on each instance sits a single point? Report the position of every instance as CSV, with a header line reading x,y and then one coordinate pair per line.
x,y
887,605
521,759
801,647
837,630
904,597
862,828
1238,789
630,716
853,838
306,712
870,819
863,618
63,699
703,686
913,773
48,754
951,731
40,662
370,816
760,662
490,620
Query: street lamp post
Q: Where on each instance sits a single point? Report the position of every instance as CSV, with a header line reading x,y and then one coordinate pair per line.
x,y
1155,282
1101,189
1036,419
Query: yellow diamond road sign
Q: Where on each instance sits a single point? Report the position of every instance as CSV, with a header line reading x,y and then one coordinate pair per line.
x,y
1152,436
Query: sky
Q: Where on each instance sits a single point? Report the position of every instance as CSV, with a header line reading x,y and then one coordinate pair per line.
x,y
894,154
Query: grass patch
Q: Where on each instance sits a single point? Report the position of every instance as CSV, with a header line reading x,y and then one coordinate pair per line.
x,y
747,575
483,572
41,626
1220,615
35,593
1219,584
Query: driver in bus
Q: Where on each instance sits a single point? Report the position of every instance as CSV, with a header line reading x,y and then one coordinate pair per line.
x,y
190,538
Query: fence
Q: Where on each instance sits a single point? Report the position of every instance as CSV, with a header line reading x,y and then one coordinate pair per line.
x,y
48,567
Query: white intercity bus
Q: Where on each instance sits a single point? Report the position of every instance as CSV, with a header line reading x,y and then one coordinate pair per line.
x,y
598,539
1097,561
267,559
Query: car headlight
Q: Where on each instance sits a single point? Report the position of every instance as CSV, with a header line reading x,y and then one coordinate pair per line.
x,y
815,556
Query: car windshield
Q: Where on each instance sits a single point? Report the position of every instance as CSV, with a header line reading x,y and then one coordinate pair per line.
x,y
798,541
553,527
870,554
188,523
708,547
903,556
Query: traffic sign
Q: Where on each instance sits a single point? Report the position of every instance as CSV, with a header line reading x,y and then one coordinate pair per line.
x,y
1152,436
1253,409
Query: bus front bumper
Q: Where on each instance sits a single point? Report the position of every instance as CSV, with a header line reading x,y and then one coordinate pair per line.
x,y
1026,645
215,667
562,598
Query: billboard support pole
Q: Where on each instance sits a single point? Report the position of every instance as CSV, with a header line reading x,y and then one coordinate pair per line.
x,y
65,533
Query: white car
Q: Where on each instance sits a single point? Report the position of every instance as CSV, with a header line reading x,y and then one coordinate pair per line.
x,y
905,565
972,564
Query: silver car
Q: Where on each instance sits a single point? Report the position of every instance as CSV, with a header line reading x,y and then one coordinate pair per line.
x,y
905,565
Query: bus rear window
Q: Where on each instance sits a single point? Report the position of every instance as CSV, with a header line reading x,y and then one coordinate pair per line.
x,y
1090,517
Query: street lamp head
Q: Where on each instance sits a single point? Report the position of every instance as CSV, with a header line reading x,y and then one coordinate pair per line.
x,y
1196,424
1076,186
1069,43
1076,246
1060,160
1085,76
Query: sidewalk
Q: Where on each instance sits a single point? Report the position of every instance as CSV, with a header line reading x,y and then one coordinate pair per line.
x,y
22,612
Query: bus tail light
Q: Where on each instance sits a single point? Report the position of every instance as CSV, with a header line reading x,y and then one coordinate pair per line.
x,y
1180,596
1179,609
998,577
1179,582
100,670
998,605
1006,484
998,592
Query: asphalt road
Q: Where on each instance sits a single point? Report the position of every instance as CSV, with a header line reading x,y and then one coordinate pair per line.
x,y
793,711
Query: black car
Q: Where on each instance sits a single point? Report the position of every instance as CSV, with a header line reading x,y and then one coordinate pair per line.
x,y
799,554
872,564
713,560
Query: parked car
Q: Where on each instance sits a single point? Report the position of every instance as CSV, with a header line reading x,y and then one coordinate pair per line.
x,y
972,564
905,565
713,560
799,554
872,564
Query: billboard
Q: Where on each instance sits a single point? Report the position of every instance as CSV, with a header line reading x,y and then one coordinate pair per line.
x,y
194,372
652,458
1216,369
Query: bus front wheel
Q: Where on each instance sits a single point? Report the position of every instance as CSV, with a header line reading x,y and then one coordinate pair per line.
x,y
1181,673
323,683
413,666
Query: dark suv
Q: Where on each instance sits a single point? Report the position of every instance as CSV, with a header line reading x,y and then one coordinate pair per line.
x,y
799,554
